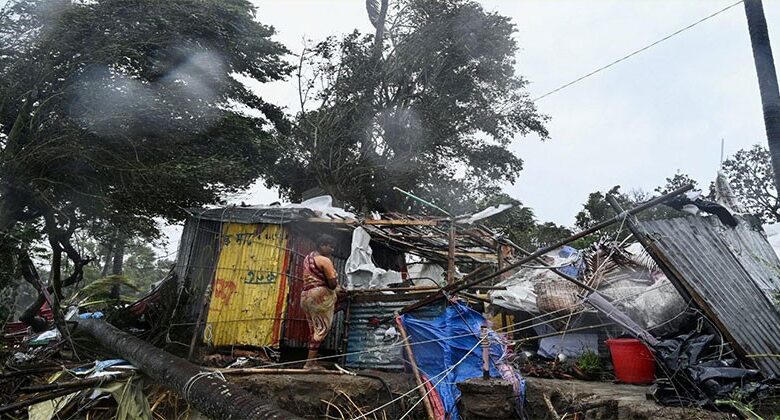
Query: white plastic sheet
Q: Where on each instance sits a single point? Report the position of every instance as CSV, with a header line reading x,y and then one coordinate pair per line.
x,y
426,274
360,268
488,212
323,205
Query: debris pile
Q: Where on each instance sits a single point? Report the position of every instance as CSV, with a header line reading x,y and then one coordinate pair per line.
x,y
433,307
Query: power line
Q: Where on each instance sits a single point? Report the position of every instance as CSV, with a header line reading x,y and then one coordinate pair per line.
x,y
646,47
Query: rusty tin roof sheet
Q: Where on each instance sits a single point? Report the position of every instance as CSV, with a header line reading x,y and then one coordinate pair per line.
x,y
732,274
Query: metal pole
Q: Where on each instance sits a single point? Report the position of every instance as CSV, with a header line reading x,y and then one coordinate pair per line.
x,y
428,203
533,256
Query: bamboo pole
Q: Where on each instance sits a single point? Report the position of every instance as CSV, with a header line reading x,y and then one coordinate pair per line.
x,y
415,371
43,369
485,352
451,253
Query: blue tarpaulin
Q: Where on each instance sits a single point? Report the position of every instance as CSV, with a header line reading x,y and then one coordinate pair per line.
x,y
456,333
566,252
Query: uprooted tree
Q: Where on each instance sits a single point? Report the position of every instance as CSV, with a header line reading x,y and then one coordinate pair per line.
x,y
429,103
113,113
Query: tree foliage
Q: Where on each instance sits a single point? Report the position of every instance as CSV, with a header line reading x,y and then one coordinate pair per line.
x,y
116,112
519,224
428,104
751,179
117,109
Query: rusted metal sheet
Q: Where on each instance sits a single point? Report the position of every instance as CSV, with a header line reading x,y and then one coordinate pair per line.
x,y
253,214
296,330
249,294
366,333
195,263
732,274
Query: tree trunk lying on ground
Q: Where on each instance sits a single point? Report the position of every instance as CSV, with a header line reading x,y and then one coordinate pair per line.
x,y
204,389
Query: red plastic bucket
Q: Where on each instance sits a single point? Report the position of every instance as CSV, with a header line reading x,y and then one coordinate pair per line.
x,y
632,360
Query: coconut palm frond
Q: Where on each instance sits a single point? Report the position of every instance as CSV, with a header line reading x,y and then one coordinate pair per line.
x,y
101,288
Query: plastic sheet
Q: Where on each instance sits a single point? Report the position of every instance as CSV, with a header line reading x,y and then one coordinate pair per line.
x,y
426,274
698,376
520,295
488,212
362,273
322,205
455,355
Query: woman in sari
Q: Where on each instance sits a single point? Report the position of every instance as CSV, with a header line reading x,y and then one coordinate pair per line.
x,y
318,299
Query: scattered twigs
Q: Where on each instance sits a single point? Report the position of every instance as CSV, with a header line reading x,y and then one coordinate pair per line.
x,y
35,400
163,396
550,407
38,370
80,384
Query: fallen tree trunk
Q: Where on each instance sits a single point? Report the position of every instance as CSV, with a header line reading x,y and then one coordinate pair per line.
x,y
206,390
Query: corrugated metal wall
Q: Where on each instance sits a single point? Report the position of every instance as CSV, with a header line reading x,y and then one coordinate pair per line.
x,y
195,264
366,334
296,330
250,287
727,274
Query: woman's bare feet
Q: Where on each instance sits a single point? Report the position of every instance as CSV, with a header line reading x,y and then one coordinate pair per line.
x,y
313,366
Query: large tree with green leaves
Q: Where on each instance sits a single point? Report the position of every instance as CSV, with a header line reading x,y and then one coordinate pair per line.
x,y
115,112
751,178
428,103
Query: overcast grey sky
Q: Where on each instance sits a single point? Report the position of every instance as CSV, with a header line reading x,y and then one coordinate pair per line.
x,y
633,125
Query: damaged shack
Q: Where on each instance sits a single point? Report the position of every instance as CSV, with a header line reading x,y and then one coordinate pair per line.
x,y
239,270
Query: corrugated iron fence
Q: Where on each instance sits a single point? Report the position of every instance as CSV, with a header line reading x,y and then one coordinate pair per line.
x,y
296,329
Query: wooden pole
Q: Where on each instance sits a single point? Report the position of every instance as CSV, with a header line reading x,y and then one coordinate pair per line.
x,y
201,311
485,353
533,256
272,371
413,363
451,254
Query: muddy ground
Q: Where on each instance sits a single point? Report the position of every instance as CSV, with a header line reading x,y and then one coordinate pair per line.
x,y
320,395
343,396
610,401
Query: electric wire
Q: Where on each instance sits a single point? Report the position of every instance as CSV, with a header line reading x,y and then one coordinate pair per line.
x,y
635,52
